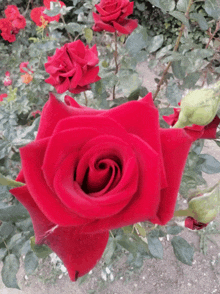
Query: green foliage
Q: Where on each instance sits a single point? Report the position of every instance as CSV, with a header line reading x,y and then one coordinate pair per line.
x,y
182,250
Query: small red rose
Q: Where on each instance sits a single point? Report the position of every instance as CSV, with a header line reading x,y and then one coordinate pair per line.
x,y
193,224
90,171
2,96
73,67
112,16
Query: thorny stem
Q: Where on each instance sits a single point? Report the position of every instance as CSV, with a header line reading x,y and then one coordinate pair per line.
x,y
111,234
116,62
174,50
26,10
212,35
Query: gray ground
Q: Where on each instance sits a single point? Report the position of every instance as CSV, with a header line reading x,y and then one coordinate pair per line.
x,y
155,277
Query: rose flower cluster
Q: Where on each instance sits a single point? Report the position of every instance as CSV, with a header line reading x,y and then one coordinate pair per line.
x,y
12,24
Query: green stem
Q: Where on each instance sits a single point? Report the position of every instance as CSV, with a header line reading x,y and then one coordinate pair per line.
x,y
183,212
174,50
8,182
116,62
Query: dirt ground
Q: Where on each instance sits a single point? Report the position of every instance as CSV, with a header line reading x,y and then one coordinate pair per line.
x,y
155,277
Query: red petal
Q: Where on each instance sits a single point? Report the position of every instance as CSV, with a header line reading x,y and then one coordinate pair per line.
x,y
126,27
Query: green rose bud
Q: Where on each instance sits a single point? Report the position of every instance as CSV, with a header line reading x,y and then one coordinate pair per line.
x,y
199,107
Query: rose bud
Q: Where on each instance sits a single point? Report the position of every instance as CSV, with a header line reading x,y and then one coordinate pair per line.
x,y
199,107
193,224
205,208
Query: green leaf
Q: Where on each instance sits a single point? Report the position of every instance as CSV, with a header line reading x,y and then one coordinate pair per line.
x,y
16,243
183,4
9,271
190,80
41,251
9,182
88,33
182,250
212,7
3,252
128,82
165,5
125,242
13,213
180,16
162,52
109,250
5,230
155,43
201,20
173,93
155,247
30,262
178,70
210,165
174,230
137,41
134,95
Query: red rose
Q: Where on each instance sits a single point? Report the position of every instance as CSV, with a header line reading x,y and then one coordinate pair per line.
x,y
193,224
204,132
24,68
113,17
73,68
11,25
89,171
2,96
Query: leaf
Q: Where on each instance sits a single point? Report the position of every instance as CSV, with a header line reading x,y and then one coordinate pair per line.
x,y
128,82
30,262
201,20
3,252
13,213
88,33
137,41
212,7
165,5
210,165
127,244
155,247
173,93
178,70
182,250
134,95
190,80
9,271
5,230
42,251
16,243
182,5
109,250
174,230
180,16
155,43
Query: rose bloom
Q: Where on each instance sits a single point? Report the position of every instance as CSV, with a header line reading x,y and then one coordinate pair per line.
x,y
73,68
90,171
193,224
204,132
24,67
27,78
7,80
39,17
2,96
12,24
112,16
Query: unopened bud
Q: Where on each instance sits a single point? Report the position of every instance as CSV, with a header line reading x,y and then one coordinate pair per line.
x,y
199,107
205,208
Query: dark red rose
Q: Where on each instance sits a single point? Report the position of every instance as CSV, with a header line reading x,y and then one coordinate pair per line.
x,y
73,68
203,132
89,171
112,16
193,224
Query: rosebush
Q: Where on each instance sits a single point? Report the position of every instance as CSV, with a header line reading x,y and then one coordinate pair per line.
x,y
113,165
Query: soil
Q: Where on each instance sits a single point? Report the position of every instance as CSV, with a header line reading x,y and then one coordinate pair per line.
x,y
155,277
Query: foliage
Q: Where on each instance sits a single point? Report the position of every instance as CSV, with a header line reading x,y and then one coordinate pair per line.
x,y
195,64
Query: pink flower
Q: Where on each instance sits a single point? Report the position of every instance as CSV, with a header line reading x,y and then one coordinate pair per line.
x,y
24,68
34,113
2,96
204,132
193,224
7,80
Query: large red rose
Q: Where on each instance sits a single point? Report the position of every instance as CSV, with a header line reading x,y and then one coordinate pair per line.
x,y
112,16
89,171
73,67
